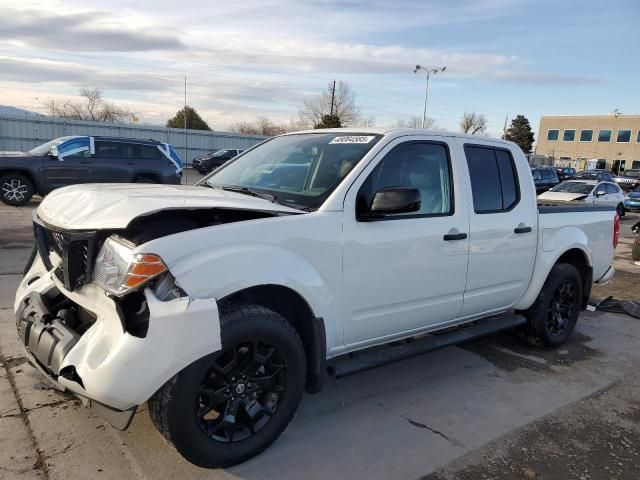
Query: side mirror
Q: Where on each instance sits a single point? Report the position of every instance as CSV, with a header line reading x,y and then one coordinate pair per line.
x,y
54,151
395,200
600,193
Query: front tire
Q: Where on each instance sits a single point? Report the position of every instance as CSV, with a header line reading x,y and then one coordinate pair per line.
x,y
620,210
553,316
229,406
15,189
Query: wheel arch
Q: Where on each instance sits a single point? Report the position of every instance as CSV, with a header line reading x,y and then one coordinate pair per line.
x,y
297,311
576,255
26,173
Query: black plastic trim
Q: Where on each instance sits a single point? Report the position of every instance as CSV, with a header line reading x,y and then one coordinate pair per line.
x,y
569,208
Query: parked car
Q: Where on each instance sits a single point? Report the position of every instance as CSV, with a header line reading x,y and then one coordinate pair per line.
x,y
632,200
599,175
544,178
76,159
209,162
628,180
220,303
588,191
565,173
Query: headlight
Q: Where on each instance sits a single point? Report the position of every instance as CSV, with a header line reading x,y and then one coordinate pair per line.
x,y
118,270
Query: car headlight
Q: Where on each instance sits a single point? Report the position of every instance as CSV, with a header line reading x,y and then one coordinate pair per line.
x,y
118,270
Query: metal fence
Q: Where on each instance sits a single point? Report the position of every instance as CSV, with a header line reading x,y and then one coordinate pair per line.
x,y
25,133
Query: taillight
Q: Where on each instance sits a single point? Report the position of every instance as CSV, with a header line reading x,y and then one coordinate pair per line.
x,y
616,230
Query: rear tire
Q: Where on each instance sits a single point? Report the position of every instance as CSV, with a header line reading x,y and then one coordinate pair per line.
x,y
15,189
229,406
553,316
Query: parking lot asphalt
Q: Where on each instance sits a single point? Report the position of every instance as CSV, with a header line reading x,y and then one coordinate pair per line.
x,y
492,408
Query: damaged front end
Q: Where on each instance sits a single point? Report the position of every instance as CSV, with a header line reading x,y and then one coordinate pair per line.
x,y
112,347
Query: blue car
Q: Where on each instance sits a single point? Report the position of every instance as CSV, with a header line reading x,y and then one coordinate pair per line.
x,y
632,200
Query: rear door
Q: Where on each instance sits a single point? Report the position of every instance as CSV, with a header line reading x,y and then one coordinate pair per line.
x,y
146,160
502,224
109,163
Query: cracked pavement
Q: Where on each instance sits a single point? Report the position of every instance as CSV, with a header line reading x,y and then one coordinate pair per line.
x,y
492,408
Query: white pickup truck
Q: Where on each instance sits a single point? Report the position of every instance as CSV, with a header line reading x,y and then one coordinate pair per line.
x,y
220,303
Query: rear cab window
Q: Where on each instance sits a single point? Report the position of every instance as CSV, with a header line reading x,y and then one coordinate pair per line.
x,y
143,152
494,179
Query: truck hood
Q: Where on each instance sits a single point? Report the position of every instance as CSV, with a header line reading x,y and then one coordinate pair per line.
x,y
560,196
13,154
114,205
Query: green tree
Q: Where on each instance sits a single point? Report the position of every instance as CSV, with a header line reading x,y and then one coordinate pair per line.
x,y
519,132
194,121
329,121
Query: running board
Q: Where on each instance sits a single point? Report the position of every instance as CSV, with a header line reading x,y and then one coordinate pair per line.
x,y
356,362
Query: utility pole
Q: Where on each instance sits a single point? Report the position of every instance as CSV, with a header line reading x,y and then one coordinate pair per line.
x,y
333,96
504,129
426,90
186,150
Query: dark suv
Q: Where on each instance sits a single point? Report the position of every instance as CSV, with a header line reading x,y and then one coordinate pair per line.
x,y
565,173
78,159
544,178
211,161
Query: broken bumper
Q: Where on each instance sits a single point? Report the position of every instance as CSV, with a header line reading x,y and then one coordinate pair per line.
x,y
110,369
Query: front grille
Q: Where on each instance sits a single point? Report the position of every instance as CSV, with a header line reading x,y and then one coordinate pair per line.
x,y
75,248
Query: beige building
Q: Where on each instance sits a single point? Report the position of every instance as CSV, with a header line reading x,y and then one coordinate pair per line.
x,y
610,142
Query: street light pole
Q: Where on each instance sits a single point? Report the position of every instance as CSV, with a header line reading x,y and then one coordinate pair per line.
x,y
426,90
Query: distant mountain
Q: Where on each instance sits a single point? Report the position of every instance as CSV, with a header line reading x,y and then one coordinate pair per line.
x,y
15,111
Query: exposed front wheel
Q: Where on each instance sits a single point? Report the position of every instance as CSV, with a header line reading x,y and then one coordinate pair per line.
x,y
16,189
620,210
553,316
231,405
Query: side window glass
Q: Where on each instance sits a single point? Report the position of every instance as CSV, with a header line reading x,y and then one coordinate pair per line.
x,y
109,150
494,181
143,152
424,166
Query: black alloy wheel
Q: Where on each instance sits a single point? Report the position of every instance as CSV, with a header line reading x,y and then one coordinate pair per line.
x,y
241,392
561,308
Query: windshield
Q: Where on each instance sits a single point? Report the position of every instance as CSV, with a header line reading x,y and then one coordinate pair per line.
x,y
299,170
631,173
574,187
220,153
46,147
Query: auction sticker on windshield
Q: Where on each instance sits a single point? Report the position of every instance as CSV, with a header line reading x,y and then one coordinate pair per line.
x,y
353,139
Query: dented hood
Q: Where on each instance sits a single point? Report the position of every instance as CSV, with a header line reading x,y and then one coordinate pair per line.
x,y
106,206
561,196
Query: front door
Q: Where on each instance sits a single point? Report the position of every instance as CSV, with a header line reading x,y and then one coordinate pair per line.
x,y
400,273
503,229
72,165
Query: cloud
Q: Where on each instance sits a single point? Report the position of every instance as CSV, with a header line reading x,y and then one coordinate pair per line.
x,y
87,31
533,78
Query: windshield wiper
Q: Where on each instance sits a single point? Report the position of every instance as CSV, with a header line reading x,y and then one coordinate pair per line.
x,y
253,193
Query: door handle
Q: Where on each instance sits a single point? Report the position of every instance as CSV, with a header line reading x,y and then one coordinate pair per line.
x,y
454,236
522,230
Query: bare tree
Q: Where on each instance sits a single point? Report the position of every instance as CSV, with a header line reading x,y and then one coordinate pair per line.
x,y
344,106
367,121
261,126
473,123
416,122
92,106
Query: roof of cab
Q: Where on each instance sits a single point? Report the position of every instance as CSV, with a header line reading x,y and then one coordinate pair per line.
x,y
400,132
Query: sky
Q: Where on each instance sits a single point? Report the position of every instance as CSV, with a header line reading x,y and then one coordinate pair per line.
x,y
254,58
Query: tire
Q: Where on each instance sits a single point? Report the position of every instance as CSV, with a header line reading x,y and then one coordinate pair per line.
x,y
15,189
620,210
553,316
199,432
